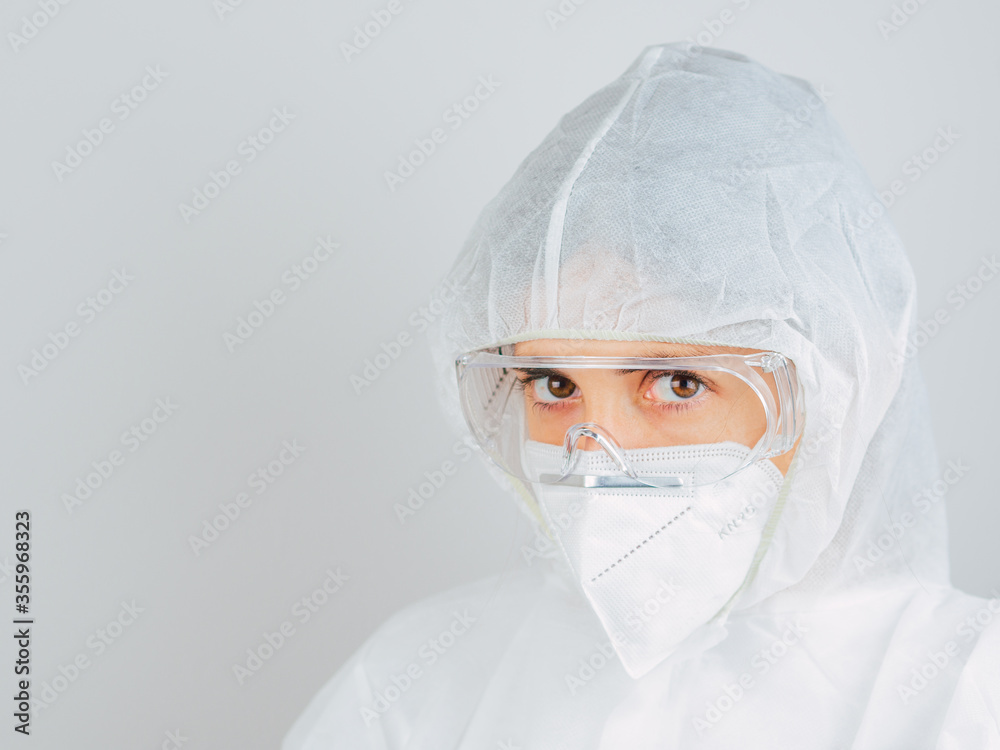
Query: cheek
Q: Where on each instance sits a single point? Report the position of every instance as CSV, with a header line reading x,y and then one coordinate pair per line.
x,y
540,426
534,429
752,423
548,427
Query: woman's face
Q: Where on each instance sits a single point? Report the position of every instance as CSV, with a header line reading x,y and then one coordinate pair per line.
x,y
637,406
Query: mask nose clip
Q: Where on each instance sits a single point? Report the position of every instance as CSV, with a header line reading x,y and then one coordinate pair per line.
x,y
592,430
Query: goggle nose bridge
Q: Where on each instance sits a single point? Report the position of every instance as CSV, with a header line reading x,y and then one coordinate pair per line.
x,y
592,430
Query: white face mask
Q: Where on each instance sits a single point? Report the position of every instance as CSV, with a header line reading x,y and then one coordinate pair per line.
x,y
657,563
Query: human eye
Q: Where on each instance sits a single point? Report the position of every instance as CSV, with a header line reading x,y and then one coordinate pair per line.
x,y
677,387
545,387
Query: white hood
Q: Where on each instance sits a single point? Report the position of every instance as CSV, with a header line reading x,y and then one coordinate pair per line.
x,y
702,196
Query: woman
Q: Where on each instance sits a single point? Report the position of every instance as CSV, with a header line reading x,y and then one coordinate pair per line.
x,y
680,343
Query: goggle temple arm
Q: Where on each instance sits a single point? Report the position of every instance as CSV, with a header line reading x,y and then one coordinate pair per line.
x,y
789,405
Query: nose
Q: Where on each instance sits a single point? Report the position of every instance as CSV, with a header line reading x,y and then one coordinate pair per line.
x,y
578,436
592,432
589,444
614,414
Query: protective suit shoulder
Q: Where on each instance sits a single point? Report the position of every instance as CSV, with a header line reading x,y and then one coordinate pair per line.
x,y
973,716
404,669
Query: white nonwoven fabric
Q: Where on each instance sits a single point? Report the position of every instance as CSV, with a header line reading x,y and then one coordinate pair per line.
x,y
703,197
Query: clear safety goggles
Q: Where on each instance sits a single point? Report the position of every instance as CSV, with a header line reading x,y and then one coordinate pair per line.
x,y
614,408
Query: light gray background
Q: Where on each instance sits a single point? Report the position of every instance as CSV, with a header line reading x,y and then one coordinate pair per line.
x,y
163,335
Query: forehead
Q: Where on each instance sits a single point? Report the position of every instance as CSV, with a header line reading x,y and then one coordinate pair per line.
x,y
601,348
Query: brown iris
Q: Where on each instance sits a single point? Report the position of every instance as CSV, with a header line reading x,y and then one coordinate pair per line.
x,y
560,387
684,386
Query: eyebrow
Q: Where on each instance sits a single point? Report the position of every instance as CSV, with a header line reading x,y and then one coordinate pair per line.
x,y
694,350
698,351
548,372
536,372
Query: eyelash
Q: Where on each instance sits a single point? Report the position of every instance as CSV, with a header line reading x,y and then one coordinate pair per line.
x,y
522,385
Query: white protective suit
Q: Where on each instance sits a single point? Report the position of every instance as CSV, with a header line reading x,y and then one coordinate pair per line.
x,y
702,197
